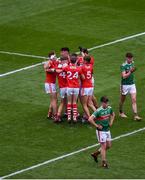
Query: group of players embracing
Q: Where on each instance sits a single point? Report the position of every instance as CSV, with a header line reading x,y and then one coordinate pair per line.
x,y
74,74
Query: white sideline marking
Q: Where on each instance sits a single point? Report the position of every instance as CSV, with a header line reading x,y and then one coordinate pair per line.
x,y
69,154
116,41
17,70
21,54
41,57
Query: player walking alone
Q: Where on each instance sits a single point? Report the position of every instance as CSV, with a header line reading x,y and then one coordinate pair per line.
x,y
103,119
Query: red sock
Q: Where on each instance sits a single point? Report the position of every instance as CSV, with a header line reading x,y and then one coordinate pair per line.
x,y
75,113
69,111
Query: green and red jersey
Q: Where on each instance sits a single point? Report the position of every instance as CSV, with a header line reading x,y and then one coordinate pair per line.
x,y
125,67
102,117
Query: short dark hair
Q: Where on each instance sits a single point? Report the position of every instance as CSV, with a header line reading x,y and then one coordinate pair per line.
x,y
104,99
84,50
64,49
73,58
87,59
129,55
62,58
51,53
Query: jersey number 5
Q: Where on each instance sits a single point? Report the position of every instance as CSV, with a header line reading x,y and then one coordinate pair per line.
x,y
89,75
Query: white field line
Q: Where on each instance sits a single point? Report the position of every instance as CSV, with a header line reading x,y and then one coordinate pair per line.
x,y
41,57
68,155
21,54
17,70
117,41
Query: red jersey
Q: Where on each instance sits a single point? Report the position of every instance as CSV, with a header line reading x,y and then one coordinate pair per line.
x,y
73,74
51,76
92,60
80,60
87,70
62,81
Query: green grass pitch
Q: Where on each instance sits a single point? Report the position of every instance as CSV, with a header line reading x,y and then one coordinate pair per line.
x,y
26,136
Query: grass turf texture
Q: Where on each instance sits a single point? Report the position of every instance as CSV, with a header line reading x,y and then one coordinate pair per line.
x,y
28,138
82,166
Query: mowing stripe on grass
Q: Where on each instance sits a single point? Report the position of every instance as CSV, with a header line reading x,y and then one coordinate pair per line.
x,y
67,155
41,57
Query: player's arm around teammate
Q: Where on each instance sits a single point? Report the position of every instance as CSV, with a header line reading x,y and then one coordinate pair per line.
x,y
86,90
62,83
50,84
92,102
73,84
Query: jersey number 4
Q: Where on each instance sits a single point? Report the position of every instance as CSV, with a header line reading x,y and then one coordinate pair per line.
x,y
62,74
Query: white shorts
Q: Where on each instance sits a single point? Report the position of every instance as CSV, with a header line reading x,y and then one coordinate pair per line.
x,y
72,91
50,88
86,91
128,89
63,92
103,136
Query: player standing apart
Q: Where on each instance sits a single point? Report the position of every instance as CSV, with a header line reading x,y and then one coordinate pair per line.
x,y
103,119
128,86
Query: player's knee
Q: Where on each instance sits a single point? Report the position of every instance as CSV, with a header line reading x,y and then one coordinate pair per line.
x,y
90,104
109,146
85,107
133,100
103,145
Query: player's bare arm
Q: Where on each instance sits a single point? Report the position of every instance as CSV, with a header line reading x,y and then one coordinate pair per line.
x,y
126,74
112,117
82,76
59,70
91,120
46,65
133,69
47,68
